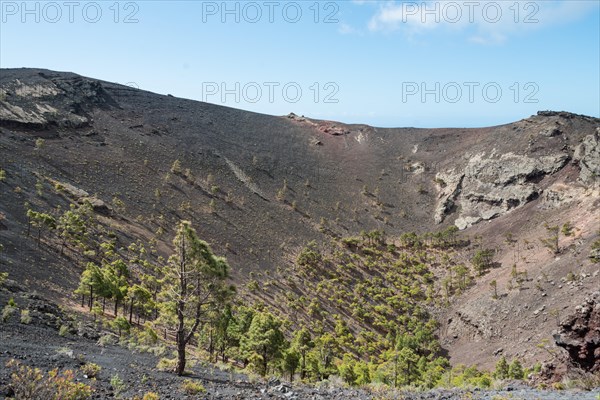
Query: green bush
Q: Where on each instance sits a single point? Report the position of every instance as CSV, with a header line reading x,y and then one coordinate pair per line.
x,y
106,340
121,325
501,371
31,383
25,317
166,364
515,370
192,388
64,330
91,370
117,384
9,310
148,336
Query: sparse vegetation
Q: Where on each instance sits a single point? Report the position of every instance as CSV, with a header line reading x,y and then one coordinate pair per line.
x,y
117,384
483,260
3,275
39,143
8,311
63,330
176,167
90,370
192,388
166,364
31,383
551,241
567,229
25,317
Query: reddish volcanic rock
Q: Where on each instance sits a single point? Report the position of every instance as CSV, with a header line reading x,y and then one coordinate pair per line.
x,y
580,334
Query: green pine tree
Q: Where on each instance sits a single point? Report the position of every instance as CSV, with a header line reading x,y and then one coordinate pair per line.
x,y
194,286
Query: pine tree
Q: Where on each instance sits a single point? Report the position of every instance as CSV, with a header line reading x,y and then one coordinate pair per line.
x,y
139,298
501,371
346,369
515,370
264,342
194,285
551,242
362,373
303,343
290,362
482,260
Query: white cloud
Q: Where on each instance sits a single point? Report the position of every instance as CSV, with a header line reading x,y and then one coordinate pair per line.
x,y
346,29
483,22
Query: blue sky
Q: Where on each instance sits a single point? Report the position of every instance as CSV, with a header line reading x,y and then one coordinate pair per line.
x,y
385,63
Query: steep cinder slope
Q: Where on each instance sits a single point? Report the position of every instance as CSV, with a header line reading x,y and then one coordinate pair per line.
x,y
259,187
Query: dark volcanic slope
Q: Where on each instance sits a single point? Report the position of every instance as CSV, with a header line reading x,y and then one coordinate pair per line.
x,y
258,187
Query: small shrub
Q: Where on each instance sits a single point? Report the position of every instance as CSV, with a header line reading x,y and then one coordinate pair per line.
x,y
117,384
90,370
25,317
151,396
108,339
192,388
121,325
3,275
176,167
64,330
567,229
31,383
9,310
2,175
166,364
39,188
252,285
157,350
148,336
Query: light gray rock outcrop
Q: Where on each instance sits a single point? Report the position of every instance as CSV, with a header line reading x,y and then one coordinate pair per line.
x,y
588,155
489,187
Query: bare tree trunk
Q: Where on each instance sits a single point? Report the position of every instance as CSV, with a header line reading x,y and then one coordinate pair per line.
x,y
130,311
211,346
265,361
180,369
91,296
